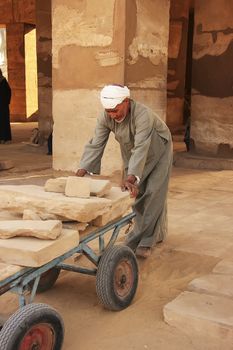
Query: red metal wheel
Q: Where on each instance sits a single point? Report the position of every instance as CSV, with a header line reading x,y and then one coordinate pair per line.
x,y
117,277
39,337
123,278
33,327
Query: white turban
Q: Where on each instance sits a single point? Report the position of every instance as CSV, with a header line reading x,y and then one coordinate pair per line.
x,y
113,95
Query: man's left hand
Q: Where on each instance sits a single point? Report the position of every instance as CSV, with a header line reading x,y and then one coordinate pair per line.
x,y
130,184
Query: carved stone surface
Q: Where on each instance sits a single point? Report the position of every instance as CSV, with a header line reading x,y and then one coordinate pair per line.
x,y
50,229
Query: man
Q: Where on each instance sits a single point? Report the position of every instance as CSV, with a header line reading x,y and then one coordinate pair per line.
x,y
5,98
146,149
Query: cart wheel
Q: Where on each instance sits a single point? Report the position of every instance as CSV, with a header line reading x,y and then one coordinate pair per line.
x,y
117,277
33,327
47,280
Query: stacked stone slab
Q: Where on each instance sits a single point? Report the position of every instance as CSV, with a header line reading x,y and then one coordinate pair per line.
x,y
33,252
205,312
50,229
51,205
19,198
36,204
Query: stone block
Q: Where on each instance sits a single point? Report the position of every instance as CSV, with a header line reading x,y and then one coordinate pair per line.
x,y
7,270
6,164
29,214
121,202
56,185
17,198
225,267
98,187
214,284
50,229
78,187
33,252
202,317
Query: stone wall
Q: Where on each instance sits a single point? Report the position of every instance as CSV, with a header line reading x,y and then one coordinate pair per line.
x,y
127,44
212,97
177,52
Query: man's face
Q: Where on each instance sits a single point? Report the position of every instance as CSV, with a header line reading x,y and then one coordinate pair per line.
x,y
119,112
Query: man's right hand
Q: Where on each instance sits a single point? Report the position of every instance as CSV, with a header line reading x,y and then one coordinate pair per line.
x,y
81,172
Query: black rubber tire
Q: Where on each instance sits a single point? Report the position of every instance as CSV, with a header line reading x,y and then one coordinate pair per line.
x,y
47,280
23,320
107,283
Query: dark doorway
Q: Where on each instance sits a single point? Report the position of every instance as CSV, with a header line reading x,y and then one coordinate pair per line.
x,y
188,81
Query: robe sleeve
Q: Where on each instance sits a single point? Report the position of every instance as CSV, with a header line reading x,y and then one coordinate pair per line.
x,y
94,149
144,128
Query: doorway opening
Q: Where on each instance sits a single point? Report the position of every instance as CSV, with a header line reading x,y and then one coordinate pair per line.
x,y
188,81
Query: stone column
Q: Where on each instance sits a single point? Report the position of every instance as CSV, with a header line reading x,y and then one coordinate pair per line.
x,y
127,44
44,64
16,70
212,97
88,52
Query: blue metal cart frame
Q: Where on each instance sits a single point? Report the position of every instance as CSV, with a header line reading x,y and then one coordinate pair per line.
x,y
18,283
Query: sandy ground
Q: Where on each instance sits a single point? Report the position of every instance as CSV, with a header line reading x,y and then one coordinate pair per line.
x,y
162,277
141,326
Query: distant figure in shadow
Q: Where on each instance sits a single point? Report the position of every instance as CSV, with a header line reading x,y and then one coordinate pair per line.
x,y
5,99
50,144
187,118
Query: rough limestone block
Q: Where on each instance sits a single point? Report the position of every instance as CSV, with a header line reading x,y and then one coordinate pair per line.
x,y
78,187
121,202
6,215
80,226
7,270
6,164
224,267
29,214
98,187
33,252
213,284
17,198
56,185
50,229
202,316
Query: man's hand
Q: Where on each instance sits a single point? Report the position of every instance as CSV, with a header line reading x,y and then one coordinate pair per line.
x,y
81,172
130,184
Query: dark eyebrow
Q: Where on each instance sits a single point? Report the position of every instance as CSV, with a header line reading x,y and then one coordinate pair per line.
x,y
111,110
